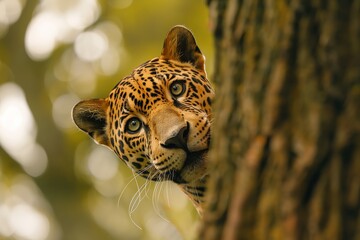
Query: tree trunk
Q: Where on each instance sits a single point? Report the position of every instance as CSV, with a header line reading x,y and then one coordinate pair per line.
x,y
286,144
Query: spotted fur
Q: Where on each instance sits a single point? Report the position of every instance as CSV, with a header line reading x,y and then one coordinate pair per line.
x,y
158,119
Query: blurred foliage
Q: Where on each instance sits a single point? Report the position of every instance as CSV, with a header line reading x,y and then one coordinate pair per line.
x,y
55,183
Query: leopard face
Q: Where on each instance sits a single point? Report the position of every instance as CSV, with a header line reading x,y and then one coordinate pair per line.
x,y
158,119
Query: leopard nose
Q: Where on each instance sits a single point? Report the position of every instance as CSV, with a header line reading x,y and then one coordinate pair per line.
x,y
179,140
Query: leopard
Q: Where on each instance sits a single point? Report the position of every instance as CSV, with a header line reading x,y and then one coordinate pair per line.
x,y
158,119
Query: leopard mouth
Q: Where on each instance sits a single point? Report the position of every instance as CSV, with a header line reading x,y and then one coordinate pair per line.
x,y
192,162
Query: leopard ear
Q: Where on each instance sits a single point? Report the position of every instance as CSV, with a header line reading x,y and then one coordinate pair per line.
x,y
90,116
180,45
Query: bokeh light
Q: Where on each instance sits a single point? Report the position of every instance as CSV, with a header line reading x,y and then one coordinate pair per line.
x,y
62,108
28,223
10,11
24,213
42,34
91,45
79,49
58,22
81,13
18,130
102,164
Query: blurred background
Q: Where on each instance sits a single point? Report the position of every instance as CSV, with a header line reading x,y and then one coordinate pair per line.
x,y
55,183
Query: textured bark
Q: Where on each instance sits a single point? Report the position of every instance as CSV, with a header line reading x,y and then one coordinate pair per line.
x,y
286,145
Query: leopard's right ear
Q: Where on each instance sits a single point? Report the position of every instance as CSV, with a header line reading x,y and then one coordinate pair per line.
x,y
91,117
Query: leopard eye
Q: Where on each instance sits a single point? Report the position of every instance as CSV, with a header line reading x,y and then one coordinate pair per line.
x,y
133,125
177,89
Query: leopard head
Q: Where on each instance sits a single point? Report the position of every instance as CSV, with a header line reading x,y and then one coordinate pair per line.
x,y
158,119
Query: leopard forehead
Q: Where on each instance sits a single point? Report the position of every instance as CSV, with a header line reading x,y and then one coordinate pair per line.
x,y
140,93
146,86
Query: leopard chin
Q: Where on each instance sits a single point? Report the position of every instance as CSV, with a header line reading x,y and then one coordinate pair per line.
x,y
194,168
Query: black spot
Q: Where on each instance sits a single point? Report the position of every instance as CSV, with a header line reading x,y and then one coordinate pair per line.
x,y
136,165
192,86
140,103
125,158
121,145
207,89
196,80
194,95
140,159
185,75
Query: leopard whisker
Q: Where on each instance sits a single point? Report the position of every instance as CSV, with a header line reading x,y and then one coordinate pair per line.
x,y
133,221
156,196
135,175
153,198
137,198
167,186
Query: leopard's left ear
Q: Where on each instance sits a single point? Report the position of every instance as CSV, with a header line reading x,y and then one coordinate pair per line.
x,y
180,45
